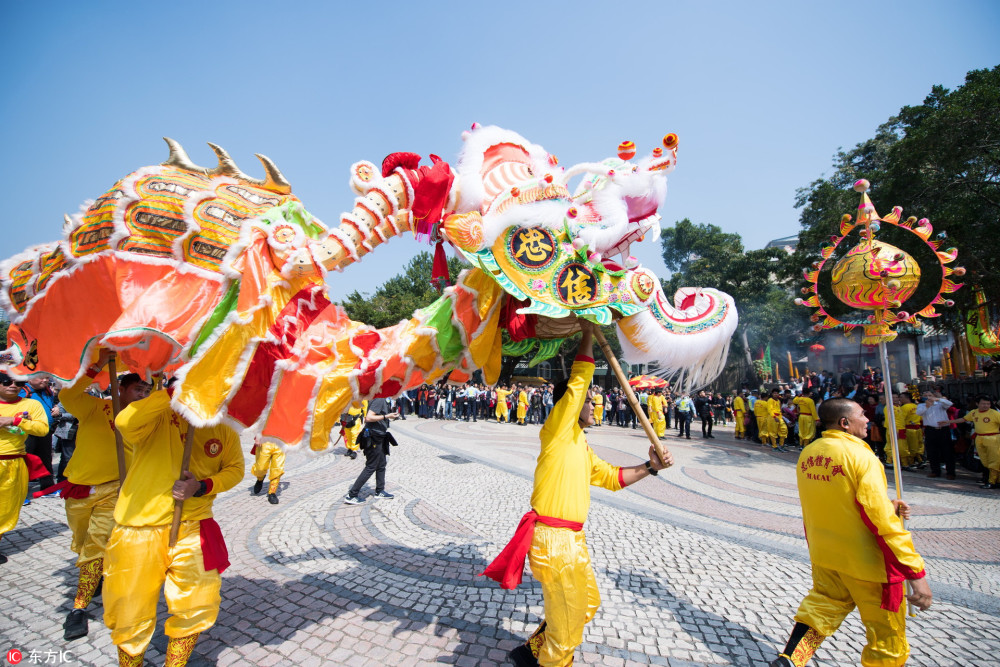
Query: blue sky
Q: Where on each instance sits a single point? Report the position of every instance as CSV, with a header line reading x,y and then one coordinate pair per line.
x,y
761,94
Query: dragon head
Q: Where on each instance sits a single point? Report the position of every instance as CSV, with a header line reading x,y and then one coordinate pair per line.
x,y
562,252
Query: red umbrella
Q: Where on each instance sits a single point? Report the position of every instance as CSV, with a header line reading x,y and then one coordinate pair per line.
x,y
646,382
817,348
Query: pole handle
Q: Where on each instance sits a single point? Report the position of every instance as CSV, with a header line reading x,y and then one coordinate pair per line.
x,y
175,526
115,409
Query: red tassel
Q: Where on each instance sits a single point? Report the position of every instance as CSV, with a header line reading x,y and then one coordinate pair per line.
x,y
439,272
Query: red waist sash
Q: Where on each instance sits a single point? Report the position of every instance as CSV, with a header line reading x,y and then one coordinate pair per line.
x,y
213,546
36,469
71,490
507,569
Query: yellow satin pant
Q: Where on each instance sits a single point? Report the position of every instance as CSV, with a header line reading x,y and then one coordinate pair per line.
x,y
13,490
561,563
764,429
659,423
807,429
988,447
834,595
598,414
779,431
914,442
522,411
740,426
138,562
503,412
351,434
270,462
90,520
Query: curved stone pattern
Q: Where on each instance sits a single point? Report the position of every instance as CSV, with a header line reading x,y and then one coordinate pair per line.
x,y
703,565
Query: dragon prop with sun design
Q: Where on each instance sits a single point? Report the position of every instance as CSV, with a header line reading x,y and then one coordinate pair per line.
x,y
218,279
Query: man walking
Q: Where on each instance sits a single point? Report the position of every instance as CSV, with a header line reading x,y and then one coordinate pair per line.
x,y
553,529
861,554
375,447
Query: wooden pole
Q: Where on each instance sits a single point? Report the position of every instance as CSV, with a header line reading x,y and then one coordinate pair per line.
x,y
175,527
115,409
633,401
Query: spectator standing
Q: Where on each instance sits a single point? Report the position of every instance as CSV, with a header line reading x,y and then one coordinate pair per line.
x,y
937,434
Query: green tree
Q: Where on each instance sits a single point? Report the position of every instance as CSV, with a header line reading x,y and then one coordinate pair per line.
x,y
939,160
397,298
704,255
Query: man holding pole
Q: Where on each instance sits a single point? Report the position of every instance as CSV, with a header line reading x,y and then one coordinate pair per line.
x,y
140,559
860,551
91,486
551,534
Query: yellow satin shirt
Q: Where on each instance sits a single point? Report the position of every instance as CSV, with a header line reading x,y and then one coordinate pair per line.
x,y
850,523
156,434
986,423
567,467
95,459
36,423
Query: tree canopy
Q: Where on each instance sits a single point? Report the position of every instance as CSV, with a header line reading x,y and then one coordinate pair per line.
x,y
702,255
939,160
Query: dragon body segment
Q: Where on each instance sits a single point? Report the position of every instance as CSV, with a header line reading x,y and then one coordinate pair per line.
x,y
218,278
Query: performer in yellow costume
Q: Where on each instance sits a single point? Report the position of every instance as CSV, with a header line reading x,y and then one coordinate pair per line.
x,y
503,412
740,411
914,430
597,398
987,423
522,405
19,418
861,554
357,410
899,412
807,418
777,430
139,560
91,487
269,461
656,418
566,469
762,413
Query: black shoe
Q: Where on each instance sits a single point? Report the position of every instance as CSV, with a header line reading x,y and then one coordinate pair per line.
x,y
522,657
3,558
780,661
689,437
353,500
257,486
75,625
383,494
989,486
352,454
711,436
272,498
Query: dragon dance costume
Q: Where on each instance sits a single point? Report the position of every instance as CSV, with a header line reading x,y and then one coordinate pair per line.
x,y
553,529
776,428
91,488
860,552
987,424
269,461
740,410
29,419
807,419
655,404
139,560
503,412
762,412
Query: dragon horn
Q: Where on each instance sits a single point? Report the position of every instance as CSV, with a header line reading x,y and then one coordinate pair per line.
x,y
227,167
68,224
275,180
179,157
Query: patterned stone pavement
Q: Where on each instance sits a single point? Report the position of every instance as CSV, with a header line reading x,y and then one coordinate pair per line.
x,y
703,565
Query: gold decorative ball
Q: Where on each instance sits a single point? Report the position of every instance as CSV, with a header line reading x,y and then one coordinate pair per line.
x,y
858,278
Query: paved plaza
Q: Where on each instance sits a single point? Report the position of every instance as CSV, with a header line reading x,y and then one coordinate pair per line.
x,y
703,565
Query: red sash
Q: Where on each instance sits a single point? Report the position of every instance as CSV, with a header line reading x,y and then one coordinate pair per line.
x,y
213,546
508,568
71,490
36,469
892,596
